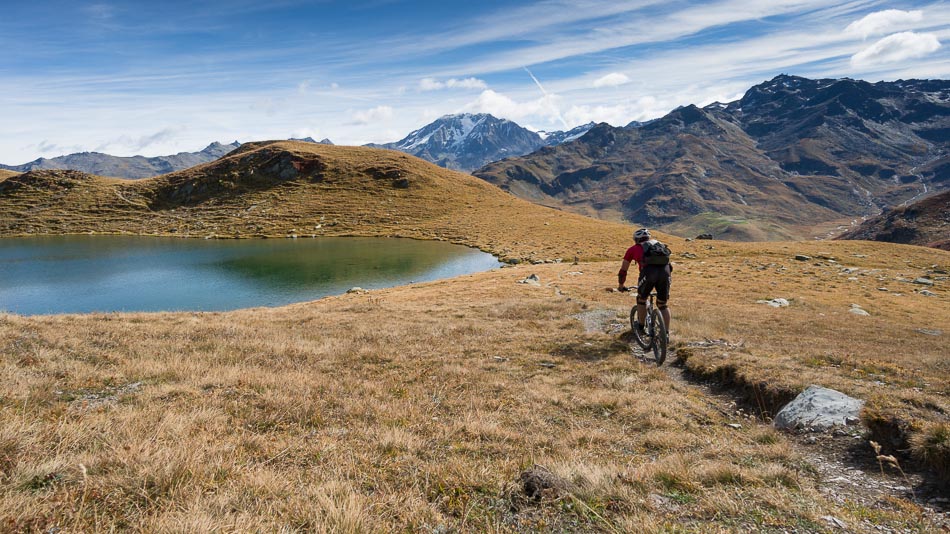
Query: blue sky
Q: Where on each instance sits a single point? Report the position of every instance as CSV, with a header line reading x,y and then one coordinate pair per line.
x,y
157,78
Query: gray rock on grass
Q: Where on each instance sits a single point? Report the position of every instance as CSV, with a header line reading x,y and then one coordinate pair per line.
x,y
532,280
819,409
775,303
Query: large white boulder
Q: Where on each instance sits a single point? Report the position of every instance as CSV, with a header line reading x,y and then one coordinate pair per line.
x,y
819,408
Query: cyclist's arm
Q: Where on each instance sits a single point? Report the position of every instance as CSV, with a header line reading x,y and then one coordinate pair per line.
x,y
622,275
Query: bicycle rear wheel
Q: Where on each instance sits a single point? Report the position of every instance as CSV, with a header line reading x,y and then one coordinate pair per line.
x,y
661,338
644,340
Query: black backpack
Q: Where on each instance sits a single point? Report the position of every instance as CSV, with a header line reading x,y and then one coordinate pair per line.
x,y
655,253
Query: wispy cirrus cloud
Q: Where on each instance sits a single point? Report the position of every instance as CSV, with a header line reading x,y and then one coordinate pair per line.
x,y
897,47
249,70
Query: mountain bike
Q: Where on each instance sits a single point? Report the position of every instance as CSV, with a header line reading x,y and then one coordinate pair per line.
x,y
655,336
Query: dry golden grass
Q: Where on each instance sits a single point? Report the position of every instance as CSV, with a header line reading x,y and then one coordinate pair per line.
x,y
4,174
418,408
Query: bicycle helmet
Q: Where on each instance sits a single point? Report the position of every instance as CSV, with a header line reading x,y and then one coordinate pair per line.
x,y
641,234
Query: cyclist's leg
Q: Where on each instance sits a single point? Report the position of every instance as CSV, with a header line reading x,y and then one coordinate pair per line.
x,y
644,287
663,297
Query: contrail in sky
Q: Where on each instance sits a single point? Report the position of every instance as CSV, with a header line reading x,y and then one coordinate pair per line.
x,y
545,93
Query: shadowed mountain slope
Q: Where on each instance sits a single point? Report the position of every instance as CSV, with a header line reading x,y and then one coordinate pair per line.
x,y
925,222
791,153
286,188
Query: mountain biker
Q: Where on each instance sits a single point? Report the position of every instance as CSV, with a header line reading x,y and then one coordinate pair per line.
x,y
653,261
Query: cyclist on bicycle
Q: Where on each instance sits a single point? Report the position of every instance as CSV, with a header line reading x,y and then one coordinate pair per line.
x,y
653,261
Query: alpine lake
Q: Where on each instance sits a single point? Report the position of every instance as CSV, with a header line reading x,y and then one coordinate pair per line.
x,y
84,274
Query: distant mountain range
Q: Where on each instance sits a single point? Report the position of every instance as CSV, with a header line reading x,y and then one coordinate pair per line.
x,y
790,159
135,166
468,141
127,167
790,154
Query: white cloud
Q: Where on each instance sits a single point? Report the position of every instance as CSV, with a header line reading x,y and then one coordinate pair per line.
x,y
643,108
431,84
614,79
897,47
376,114
499,105
882,22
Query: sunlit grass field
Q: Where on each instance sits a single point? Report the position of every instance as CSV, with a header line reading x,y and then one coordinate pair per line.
x,y
471,404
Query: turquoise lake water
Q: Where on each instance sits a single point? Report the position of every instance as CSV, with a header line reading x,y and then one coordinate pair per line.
x,y
80,274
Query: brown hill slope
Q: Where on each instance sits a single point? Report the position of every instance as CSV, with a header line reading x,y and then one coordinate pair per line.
x,y
4,174
284,188
925,222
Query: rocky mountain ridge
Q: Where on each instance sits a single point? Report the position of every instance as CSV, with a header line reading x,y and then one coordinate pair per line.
x,y
792,152
468,141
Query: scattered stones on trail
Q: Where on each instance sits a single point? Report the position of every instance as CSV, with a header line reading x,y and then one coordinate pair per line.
x,y
532,280
802,257
775,303
857,310
819,409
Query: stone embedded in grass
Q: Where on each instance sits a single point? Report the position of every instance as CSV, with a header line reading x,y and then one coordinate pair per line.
x,y
924,281
926,293
929,332
775,303
802,257
857,310
356,290
532,280
819,409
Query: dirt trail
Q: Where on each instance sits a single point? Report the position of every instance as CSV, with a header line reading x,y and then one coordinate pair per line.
x,y
844,463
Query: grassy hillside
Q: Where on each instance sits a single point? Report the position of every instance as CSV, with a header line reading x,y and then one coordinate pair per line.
x,y
4,174
472,404
291,188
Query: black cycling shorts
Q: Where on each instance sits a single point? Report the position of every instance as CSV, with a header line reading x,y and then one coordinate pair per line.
x,y
655,277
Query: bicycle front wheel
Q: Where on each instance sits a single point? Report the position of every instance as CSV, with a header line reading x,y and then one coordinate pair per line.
x,y
644,339
661,338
